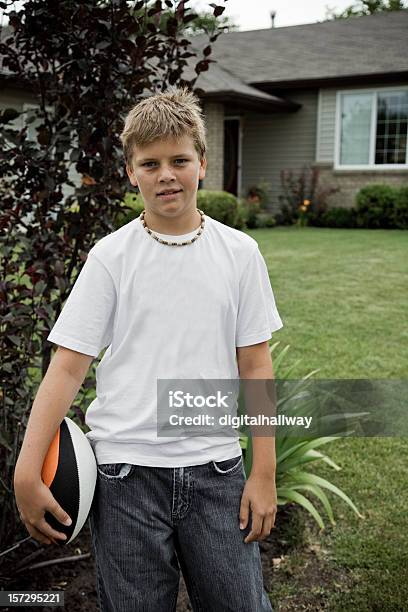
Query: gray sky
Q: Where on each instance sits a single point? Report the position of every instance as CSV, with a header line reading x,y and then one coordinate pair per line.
x,y
255,14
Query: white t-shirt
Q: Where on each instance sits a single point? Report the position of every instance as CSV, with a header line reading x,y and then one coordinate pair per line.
x,y
163,312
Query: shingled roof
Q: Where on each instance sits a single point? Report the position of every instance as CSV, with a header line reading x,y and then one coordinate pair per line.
x,y
218,83
371,45
252,65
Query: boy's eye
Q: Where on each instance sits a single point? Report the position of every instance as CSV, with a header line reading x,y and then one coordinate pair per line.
x,y
152,162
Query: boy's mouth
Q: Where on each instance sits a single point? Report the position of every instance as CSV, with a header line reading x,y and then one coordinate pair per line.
x,y
169,195
168,191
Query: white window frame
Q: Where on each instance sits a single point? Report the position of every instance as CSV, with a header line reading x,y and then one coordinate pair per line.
x,y
337,140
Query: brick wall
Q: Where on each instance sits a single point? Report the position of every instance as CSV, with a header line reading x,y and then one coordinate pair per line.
x,y
351,181
214,119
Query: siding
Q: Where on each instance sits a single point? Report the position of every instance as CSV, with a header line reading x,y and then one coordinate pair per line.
x,y
278,141
326,125
327,118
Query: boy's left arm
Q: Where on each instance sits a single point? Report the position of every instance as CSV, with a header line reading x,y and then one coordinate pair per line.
x,y
259,494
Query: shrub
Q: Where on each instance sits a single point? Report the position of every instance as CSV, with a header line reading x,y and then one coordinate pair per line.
x,y
401,208
241,217
251,209
336,217
259,193
219,205
301,189
264,219
375,206
132,206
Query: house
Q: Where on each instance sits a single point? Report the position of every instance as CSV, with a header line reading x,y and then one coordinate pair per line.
x,y
332,94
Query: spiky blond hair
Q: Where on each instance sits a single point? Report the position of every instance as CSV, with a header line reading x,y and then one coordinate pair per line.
x,y
173,113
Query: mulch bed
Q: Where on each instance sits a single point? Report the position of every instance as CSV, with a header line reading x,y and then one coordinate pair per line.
x,y
76,577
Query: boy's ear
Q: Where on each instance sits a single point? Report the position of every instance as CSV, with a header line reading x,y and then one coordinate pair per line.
x,y
131,176
203,167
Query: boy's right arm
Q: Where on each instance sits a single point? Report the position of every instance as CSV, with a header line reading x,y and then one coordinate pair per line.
x,y
54,398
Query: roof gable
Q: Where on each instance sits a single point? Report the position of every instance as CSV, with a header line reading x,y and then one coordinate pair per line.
x,y
370,45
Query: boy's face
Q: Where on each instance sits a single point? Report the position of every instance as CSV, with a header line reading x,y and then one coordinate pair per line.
x,y
167,165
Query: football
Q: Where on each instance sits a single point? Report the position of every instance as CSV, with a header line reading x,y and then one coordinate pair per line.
x,y
69,470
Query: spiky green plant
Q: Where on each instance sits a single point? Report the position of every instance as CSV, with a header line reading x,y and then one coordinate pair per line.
x,y
293,454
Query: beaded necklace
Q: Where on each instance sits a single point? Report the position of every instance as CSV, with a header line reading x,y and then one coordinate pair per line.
x,y
150,232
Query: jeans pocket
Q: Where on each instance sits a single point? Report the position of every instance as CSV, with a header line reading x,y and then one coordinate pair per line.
x,y
115,471
228,466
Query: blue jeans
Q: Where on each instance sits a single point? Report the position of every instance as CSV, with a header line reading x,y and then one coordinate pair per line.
x,y
148,522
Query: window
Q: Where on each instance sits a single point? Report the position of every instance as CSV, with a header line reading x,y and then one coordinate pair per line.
x,y
372,128
391,133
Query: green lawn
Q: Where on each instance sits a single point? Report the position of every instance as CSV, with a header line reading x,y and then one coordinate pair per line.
x,y
342,296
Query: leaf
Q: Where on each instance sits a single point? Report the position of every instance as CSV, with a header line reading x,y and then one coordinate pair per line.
x,y
298,459
44,135
326,459
307,446
39,287
302,501
304,477
88,180
14,339
4,442
322,496
218,11
9,114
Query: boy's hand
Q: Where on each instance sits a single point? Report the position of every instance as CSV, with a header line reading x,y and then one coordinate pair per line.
x,y
33,499
259,496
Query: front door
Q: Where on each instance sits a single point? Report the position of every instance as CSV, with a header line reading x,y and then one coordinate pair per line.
x,y
231,155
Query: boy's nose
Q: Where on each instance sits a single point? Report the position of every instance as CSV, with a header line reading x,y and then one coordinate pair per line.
x,y
167,174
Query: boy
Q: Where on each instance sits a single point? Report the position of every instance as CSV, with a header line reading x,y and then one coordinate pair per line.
x,y
172,294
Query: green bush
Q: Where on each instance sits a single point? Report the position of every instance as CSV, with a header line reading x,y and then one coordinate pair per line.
x,y
250,211
260,191
401,208
241,217
375,206
337,217
264,219
378,206
219,205
132,205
